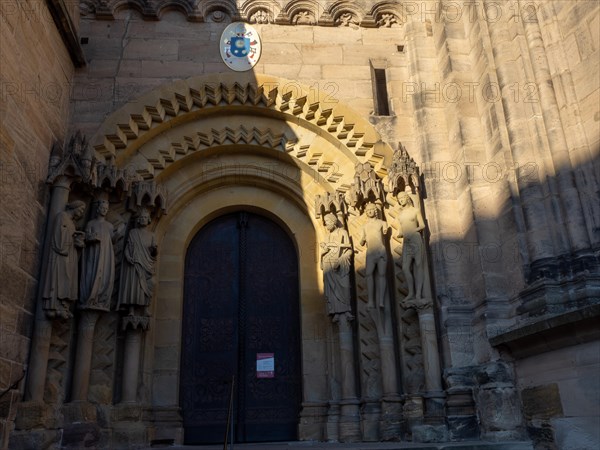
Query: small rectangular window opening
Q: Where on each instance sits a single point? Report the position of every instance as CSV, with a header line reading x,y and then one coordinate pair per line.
x,y
382,107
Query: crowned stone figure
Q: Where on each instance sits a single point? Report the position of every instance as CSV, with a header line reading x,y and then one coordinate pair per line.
x,y
137,273
336,260
61,281
98,262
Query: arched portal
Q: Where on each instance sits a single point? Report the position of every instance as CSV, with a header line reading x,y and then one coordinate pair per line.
x,y
241,325
221,145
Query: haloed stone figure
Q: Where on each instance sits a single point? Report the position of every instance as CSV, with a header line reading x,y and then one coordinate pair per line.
x,y
98,265
137,283
61,278
413,252
373,235
336,258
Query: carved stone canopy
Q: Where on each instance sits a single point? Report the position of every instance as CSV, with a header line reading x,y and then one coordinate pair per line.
x,y
403,173
367,187
75,160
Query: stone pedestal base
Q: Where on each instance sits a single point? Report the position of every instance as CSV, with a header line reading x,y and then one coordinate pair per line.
x,y
413,414
32,415
370,414
76,412
391,419
313,418
127,412
430,433
435,403
85,435
332,429
461,418
35,439
128,435
167,425
498,403
349,421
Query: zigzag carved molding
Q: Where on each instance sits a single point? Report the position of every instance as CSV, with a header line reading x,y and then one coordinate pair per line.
x,y
227,135
363,13
162,158
209,96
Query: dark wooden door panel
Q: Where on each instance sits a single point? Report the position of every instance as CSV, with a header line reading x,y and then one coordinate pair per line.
x,y
241,299
272,326
209,353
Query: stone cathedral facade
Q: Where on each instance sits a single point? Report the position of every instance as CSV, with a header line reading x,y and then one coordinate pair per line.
x,y
386,227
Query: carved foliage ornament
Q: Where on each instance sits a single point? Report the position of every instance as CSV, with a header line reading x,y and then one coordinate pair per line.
x,y
261,16
388,20
347,19
304,17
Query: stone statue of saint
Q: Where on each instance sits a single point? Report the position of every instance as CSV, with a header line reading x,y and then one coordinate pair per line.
x,y
336,259
137,273
413,248
373,235
98,262
60,281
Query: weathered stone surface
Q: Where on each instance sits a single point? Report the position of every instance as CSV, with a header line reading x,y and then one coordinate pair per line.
x,y
79,411
128,435
463,428
576,432
493,373
430,433
500,114
542,402
499,412
127,412
541,435
32,415
35,440
81,435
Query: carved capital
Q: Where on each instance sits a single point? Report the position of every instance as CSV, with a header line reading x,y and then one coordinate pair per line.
x,y
418,304
136,322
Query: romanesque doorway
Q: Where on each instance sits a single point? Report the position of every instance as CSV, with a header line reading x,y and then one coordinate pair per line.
x,y
241,305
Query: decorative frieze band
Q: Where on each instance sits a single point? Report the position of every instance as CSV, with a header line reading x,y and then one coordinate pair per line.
x,y
342,13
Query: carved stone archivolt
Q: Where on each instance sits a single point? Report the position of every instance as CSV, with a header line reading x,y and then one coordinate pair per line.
x,y
295,12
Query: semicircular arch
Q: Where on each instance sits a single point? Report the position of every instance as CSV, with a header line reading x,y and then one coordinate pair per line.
x,y
264,110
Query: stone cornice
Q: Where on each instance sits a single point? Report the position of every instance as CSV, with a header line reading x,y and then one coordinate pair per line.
x,y
552,333
67,30
343,13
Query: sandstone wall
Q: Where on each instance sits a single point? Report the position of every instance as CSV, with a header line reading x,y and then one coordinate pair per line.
x,y
559,390
35,76
129,56
496,101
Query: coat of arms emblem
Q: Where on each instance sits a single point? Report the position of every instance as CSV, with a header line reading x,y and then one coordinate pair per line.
x,y
240,46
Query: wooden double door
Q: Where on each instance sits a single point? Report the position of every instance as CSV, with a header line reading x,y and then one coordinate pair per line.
x,y
241,305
